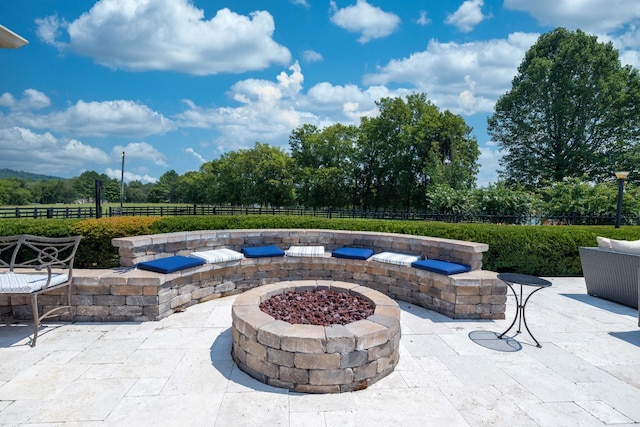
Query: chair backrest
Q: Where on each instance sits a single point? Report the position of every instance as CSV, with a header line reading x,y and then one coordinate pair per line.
x,y
39,252
8,248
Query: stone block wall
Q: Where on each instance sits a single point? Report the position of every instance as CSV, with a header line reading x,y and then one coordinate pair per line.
x,y
129,294
133,250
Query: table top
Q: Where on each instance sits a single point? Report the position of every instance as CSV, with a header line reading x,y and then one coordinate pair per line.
x,y
524,279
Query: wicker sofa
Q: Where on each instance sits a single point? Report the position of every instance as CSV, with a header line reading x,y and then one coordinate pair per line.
x,y
611,275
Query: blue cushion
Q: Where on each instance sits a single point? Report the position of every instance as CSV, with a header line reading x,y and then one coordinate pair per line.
x,y
352,253
441,267
262,251
170,264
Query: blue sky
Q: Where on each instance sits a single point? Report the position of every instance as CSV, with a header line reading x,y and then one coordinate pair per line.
x,y
175,83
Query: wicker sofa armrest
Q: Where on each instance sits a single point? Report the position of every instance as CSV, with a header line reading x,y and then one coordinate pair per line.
x,y
611,275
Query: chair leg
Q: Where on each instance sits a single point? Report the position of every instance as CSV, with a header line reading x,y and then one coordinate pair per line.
x,y
73,319
36,318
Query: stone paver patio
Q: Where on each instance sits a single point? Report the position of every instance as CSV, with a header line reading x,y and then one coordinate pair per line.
x,y
179,371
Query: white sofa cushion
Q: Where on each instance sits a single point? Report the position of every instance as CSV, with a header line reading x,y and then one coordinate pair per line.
x,y
395,258
312,251
218,255
629,247
11,282
604,243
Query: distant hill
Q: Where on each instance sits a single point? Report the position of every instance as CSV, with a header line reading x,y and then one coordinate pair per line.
x,y
27,176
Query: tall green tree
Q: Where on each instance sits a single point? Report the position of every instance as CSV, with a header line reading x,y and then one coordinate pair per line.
x,y
324,168
53,191
134,192
190,188
262,175
14,191
165,189
85,185
410,145
572,111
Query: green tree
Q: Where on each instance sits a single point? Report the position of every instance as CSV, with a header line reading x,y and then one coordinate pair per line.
x,y
410,145
324,164
262,175
14,191
164,191
574,195
445,200
84,186
134,192
571,112
191,188
53,191
498,199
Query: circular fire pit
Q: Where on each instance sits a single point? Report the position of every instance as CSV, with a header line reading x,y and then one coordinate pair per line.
x,y
315,359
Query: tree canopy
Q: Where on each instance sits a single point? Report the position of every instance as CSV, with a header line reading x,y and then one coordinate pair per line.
x,y
572,111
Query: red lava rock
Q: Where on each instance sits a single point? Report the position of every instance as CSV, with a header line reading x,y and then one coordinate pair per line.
x,y
322,307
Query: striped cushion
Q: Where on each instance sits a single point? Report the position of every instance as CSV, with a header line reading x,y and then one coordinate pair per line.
x,y
395,258
305,251
218,255
26,283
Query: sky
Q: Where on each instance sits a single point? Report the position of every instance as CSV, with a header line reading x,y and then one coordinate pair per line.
x,y
176,83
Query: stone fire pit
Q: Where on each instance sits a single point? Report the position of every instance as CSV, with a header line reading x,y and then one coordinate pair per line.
x,y
315,359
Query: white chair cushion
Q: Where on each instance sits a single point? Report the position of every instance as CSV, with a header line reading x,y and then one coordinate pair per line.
x,y
395,258
314,251
628,247
604,243
11,282
218,255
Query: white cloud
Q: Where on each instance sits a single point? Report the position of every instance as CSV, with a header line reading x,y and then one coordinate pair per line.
x,y
311,56
588,15
168,35
130,176
108,118
347,103
489,161
31,100
370,21
269,110
445,70
301,2
423,19
50,155
196,155
49,29
140,150
266,112
468,15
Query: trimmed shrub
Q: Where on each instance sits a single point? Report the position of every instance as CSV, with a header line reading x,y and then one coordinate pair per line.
x,y
96,250
538,250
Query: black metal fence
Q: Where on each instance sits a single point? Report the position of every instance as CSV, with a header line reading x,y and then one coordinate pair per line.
x,y
190,210
55,212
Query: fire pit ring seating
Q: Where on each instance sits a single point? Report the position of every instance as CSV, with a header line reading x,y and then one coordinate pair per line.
x,y
131,294
310,358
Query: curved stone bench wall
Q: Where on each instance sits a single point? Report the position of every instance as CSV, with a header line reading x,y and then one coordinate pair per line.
x,y
133,250
129,294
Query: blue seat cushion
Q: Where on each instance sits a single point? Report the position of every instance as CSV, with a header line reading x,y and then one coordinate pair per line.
x,y
262,251
170,264
441,267
352,253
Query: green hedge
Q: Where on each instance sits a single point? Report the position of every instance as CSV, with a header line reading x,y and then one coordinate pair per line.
x,y
539,250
